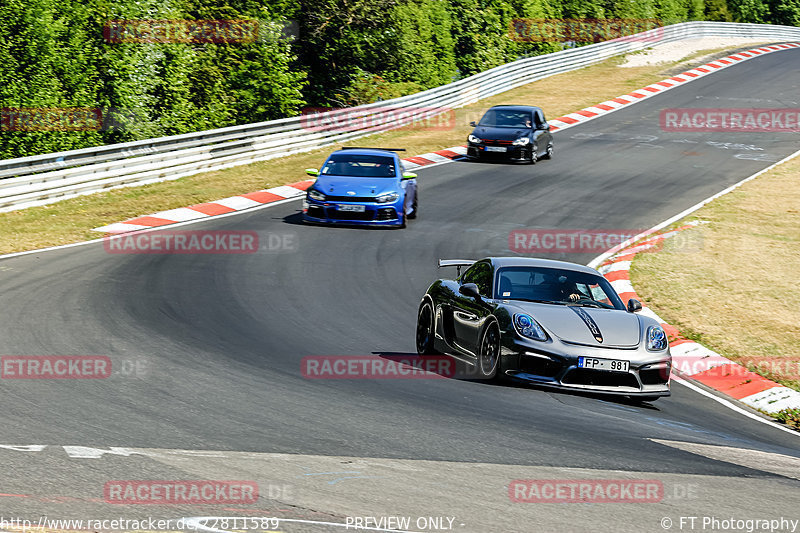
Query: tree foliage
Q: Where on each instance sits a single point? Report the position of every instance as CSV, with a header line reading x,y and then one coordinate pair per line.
x,y
344,52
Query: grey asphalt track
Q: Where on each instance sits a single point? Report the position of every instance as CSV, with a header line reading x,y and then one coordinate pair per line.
x,y
219,338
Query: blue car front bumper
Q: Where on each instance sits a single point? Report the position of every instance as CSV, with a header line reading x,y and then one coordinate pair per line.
x,y
374,214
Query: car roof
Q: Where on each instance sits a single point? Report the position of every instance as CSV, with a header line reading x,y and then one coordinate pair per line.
x,y
517,107
366,151
500,262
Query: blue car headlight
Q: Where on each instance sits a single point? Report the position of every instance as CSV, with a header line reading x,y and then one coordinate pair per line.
x,y
473,139
314,194
522,141
527,327
656,339
387,198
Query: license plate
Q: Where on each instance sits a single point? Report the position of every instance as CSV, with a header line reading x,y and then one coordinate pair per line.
x,y
594,363
353,208
495,148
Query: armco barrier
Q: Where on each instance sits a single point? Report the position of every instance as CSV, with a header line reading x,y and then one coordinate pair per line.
x,y
42,179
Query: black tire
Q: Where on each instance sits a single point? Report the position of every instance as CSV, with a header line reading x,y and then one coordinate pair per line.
x,y
489,352
549,154
425,333
413,214
534,154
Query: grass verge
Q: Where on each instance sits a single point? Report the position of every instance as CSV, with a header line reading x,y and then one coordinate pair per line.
x,y
731,284
72,220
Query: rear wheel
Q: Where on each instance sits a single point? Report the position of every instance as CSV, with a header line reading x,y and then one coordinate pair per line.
x,y
489,354
425,330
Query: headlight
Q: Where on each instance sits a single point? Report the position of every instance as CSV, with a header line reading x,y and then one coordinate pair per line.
x,y
522,141
656,339
473,139
316,195
528,327
386,198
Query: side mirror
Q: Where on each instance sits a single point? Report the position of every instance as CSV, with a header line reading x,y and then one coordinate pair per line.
x,y
312,172
545,126
634,305
471,290
409,176
473,124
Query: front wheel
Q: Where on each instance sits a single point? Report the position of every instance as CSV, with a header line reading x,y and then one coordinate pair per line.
x,y
534,154
489,354
413,214
549,154
425,330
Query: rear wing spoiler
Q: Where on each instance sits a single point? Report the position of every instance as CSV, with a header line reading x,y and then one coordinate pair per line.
x,y
458,263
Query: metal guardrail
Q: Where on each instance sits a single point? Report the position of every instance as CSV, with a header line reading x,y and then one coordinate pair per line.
x,y
47,178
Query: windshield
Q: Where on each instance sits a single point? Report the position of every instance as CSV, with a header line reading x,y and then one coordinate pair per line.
x,y
556,286
360,166
506,118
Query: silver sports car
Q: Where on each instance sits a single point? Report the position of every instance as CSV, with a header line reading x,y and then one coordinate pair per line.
x,y
551,323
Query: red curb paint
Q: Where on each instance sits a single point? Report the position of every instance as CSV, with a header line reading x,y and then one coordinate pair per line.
x,y
302,185
666,84
618,275
604,107
586,113
625,296
448,153
418,160
262,197
636,95
651,89
568,120
733,381
149,221
620,101
211,209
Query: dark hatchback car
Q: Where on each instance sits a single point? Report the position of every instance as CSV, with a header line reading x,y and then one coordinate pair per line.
x,y
511,132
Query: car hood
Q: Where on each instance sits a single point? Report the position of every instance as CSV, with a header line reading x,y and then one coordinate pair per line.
x,y
350,186
500,134
586,325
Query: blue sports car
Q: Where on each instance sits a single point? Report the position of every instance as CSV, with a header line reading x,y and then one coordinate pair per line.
x,y
361,186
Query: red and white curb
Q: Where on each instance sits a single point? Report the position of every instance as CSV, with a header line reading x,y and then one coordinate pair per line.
x,y
692,360
254,199
210,209
589,113
246,201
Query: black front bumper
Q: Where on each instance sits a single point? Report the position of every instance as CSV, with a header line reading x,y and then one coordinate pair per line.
x,y
512,153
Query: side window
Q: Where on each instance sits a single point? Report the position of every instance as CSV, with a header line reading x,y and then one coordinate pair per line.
x,y
481,275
